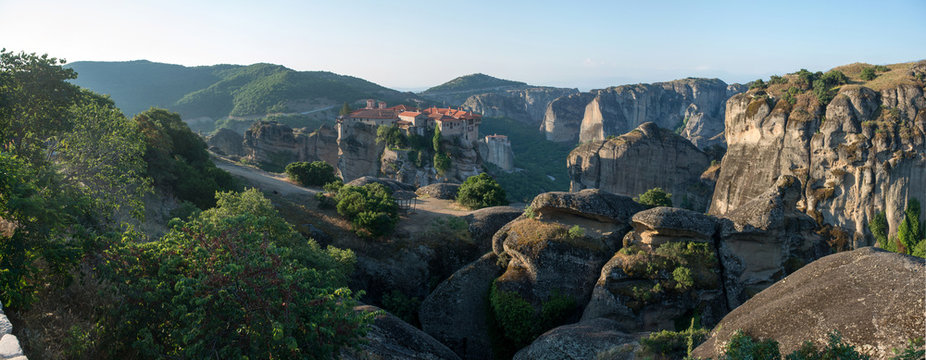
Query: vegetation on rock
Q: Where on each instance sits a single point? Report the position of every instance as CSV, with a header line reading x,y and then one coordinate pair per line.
x,y
516,321
370,208
911,233
654,197
743,346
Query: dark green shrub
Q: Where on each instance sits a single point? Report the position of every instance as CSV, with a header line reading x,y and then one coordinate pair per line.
x,y
910,232
757,84
481,191
403,306
235,281
868,74
514,316
391,135
556,310
441,163
742,346
371,208
334,186
654,197
835,349
775,79
914,350
667,344
878,228
316,173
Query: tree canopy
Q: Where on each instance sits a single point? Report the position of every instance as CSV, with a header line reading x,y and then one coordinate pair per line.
x,y
654,197
481,191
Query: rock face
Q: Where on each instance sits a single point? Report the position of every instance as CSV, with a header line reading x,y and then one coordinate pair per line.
x,y
226,142
640,160
358,152
391,338
872,297
485,222
496,150
693,106
275,145
526,105
455,312
869,154
398,165
595,339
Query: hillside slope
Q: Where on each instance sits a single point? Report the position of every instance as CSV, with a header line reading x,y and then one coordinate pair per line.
x,y
225,90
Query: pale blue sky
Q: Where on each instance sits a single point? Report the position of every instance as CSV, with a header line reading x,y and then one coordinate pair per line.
x,y
417,44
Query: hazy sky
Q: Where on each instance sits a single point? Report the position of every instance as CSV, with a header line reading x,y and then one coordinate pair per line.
x,y
417,44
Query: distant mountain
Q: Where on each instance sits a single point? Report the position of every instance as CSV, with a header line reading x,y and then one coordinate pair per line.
x,y
225,90
473,82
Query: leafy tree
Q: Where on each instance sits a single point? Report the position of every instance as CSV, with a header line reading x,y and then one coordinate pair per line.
x,y
757,84
743,346
235,281
654,197
481,191
392,136
910,231
177,159
316,173
879,229
370,208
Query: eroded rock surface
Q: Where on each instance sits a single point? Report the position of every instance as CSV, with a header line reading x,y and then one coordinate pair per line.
x,y
443,191
275,145
226,142
640,160
872,297
525,105
594,339
390,338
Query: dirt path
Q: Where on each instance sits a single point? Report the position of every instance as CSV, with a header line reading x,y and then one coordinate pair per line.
x,y
263,180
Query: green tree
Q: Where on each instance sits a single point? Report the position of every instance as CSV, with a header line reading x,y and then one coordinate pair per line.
x,y
879,229
910,232
481,191
316,173
435,141
177,159
442,163
392,136
345,109
868,74
370,208
654,197
235,281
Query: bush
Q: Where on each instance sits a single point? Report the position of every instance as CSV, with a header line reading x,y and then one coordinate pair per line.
x,y
519,322
742,346
654,197
334,186
835,349
868,74
667,344
913,351
481,191
878,228
403,306
316,173
371,208
576,232
392,136
441,163
235,281
910,231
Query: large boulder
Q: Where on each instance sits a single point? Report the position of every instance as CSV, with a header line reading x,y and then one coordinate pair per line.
x,y
872,297
455,312
662,224
274,145
226,142
390,338
593,204
595,339
442,191
485,222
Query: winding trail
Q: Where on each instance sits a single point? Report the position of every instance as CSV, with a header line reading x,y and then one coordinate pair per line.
x,y
264,180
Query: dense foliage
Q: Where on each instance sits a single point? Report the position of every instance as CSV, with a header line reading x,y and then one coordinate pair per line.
x,y
177,159
235,281
370,208
911,233
481,191
316,173
71,169
517,323
392,136
472,82
654,197
668,344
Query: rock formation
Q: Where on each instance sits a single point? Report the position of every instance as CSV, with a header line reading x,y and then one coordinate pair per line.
x,y
640,160
862,153
595,339
526,105
275,145
692,106
496,150
358,152
442,191
226,142
390,338
872,297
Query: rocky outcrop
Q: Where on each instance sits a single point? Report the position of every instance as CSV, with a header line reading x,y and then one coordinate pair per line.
x,y
595,339
455,312
647,157
862,153
485,222
273,145
496,150
694,107
872,297
358,152
390,338
226,142
526,105
399,164
442,191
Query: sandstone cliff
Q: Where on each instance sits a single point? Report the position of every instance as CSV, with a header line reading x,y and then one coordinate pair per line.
x,y
640,160
525,105
274,145
692,106
863,152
